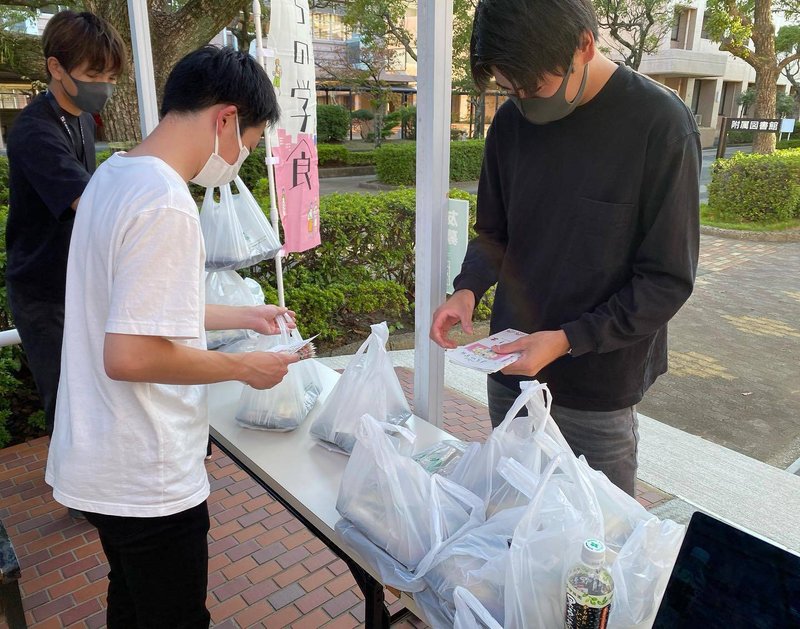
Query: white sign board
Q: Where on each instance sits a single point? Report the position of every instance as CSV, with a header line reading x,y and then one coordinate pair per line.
x,y
457,237
787,125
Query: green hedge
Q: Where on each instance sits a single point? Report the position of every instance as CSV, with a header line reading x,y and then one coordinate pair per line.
x,y
364,269
756,188
333,123
736,138
333,155
397,164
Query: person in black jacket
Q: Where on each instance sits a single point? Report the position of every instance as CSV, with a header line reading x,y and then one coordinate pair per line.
x,y
587,221
51,156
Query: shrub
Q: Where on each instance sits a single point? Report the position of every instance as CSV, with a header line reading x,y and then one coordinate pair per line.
x,y
333,123
751,187
364,269
332,155
788,144
408,117
466,159
102,156
3,180
254,167
397,164
18,397
361,158
362,114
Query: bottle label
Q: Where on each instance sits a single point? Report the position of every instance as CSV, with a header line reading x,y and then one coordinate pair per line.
x,y
584,610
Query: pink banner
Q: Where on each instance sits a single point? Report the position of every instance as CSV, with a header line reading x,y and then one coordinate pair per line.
x,y
297,187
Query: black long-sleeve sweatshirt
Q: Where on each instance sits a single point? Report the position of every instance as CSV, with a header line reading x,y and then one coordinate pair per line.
x,y
590,224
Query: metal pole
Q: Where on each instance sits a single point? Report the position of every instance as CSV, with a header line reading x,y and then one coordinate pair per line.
x,y
270,160
143,66
433,182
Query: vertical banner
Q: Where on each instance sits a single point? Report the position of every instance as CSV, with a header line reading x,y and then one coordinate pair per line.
x,y
294,142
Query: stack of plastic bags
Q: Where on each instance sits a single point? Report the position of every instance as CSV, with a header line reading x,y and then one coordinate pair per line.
x,y
228,288
236,232
237,235
369,384
503,529
285,406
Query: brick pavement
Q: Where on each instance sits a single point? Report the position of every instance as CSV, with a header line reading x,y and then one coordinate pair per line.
x,y
734,351
265,568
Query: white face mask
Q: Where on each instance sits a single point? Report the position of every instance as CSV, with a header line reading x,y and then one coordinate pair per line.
x,y
217,172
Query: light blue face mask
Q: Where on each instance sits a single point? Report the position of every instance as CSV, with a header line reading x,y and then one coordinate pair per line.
x,y
551,108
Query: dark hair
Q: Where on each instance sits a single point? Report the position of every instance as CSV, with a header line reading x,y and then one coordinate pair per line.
x,y
210,76
75,38
527,39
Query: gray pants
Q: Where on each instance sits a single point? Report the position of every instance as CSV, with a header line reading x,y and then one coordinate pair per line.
x,y
608,439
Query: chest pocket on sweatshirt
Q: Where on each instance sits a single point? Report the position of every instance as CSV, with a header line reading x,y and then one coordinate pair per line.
x,y
602,234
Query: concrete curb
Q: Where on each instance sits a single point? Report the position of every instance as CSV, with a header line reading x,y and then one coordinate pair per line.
x,y
788,235
376,185
346,171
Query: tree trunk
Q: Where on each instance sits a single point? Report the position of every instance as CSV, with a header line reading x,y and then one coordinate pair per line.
x,y
173,35
479,103
766,72
121,114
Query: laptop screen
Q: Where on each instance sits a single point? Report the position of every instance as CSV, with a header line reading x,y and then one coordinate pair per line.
x,y
726,578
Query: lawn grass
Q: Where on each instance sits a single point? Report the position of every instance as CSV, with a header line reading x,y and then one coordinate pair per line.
x,y
708,217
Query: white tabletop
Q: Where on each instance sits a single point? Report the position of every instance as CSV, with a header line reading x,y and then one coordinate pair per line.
x,y
305,474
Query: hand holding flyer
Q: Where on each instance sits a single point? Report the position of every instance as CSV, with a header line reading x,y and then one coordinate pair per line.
x,y
480,356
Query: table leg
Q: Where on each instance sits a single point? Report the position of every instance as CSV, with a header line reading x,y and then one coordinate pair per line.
x,y
11,605
376,615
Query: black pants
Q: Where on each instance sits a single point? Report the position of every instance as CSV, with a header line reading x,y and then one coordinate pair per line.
x,y
159,569
41,327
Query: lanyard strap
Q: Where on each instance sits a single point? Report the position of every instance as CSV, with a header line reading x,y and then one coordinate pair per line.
x,y
60,114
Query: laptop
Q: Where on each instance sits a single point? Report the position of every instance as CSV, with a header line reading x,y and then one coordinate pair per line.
x,y
725,578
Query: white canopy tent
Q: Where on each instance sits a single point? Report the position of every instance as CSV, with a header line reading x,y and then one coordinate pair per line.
x,y
434,50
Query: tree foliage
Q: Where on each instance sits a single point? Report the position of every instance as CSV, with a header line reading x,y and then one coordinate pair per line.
x,y
746,29
381,23
635,27
177,27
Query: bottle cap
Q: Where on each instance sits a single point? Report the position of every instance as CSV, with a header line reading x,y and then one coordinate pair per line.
x,y
593,552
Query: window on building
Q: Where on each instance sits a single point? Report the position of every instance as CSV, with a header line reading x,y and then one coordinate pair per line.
x,y
678,21
328,26
703,31
696,96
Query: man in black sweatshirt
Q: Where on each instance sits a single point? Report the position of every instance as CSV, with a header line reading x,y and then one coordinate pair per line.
x,y
588,221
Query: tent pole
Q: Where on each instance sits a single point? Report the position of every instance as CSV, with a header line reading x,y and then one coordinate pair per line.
x,y
270,160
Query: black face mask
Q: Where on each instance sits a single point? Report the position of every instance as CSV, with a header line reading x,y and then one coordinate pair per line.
x,y
91,96
551,108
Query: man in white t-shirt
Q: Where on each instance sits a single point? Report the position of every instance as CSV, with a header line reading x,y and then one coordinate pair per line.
x,y
132,425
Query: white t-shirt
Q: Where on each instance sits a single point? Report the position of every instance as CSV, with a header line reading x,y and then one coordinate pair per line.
x,y
136,266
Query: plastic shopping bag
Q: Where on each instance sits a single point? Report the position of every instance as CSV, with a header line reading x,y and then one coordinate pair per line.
x,y
546,544
532,440
227,288
284,406
470,614
641,572
399,507
236,232
476,561
369,385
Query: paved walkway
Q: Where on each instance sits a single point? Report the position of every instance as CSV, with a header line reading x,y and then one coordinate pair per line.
x,y
734,352
266,569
